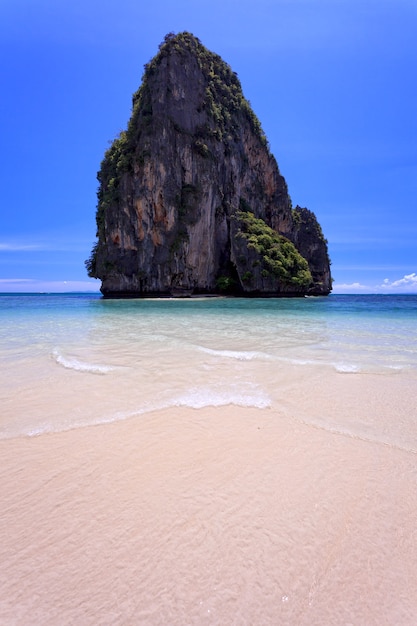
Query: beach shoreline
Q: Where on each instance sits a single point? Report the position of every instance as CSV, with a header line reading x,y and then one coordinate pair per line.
x,y
215,462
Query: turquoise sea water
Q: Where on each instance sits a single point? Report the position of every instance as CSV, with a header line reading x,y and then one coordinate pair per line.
x,y
69,360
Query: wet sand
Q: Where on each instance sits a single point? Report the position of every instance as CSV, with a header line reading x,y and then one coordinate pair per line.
x,y
212,516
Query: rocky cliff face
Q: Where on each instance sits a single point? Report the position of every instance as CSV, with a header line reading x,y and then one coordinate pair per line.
x,y
190,198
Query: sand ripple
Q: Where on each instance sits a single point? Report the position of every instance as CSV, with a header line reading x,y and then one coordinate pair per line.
x,y
216,516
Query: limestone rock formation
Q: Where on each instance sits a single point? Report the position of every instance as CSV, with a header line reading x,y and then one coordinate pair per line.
x,y
190,197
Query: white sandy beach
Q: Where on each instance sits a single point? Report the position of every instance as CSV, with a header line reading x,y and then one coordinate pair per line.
x,y
222,515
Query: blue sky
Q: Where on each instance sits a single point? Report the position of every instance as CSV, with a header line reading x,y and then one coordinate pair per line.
x,y
333,83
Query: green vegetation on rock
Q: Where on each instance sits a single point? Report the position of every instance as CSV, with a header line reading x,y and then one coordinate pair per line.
x,y
223,94
226,284
278,255
309,221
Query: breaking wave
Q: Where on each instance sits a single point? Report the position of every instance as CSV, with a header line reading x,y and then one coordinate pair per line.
x,y
250,355
347,368
72,363
241,395
240,355
199,398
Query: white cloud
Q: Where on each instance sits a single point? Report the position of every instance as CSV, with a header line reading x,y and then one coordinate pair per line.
x,y
352,288
12,281
409,280
15,285
407,284
52,243
19,247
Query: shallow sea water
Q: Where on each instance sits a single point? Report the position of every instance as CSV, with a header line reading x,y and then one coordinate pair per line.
x,y
208,461
69,360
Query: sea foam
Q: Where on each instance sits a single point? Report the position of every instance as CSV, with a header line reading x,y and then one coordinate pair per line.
x,y
240,355
347,368
80,366
247,396
239,395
